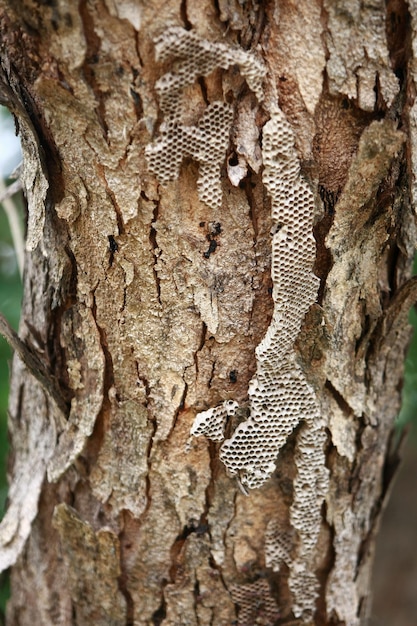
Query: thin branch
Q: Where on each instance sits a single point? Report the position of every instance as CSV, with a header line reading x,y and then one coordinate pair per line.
x,y
33,363
14,222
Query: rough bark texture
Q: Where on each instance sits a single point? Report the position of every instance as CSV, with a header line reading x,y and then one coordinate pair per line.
x,y
161,142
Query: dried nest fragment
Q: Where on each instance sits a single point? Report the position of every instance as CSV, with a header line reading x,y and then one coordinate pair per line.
x,y
207,141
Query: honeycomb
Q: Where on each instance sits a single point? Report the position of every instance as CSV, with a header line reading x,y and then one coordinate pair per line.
x,y
278,546
199,57
207,141
310,486
256,604
280,397
211,423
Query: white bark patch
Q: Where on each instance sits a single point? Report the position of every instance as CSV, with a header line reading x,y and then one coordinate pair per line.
x,y
236,173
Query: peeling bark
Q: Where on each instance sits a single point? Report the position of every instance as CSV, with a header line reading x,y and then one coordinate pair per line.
x,y
148,296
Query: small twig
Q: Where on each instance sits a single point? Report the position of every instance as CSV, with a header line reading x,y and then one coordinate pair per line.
x,y
33,363
14,221
11,190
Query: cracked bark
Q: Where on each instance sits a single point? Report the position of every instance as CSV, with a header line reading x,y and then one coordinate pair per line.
x,y
137,530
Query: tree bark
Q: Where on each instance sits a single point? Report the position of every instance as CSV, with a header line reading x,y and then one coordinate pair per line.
x,y
178,159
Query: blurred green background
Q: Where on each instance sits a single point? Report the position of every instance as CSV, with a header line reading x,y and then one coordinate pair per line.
x,y
10,299
408,414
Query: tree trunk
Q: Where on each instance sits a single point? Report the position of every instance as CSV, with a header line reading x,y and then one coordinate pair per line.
x,y
217,282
